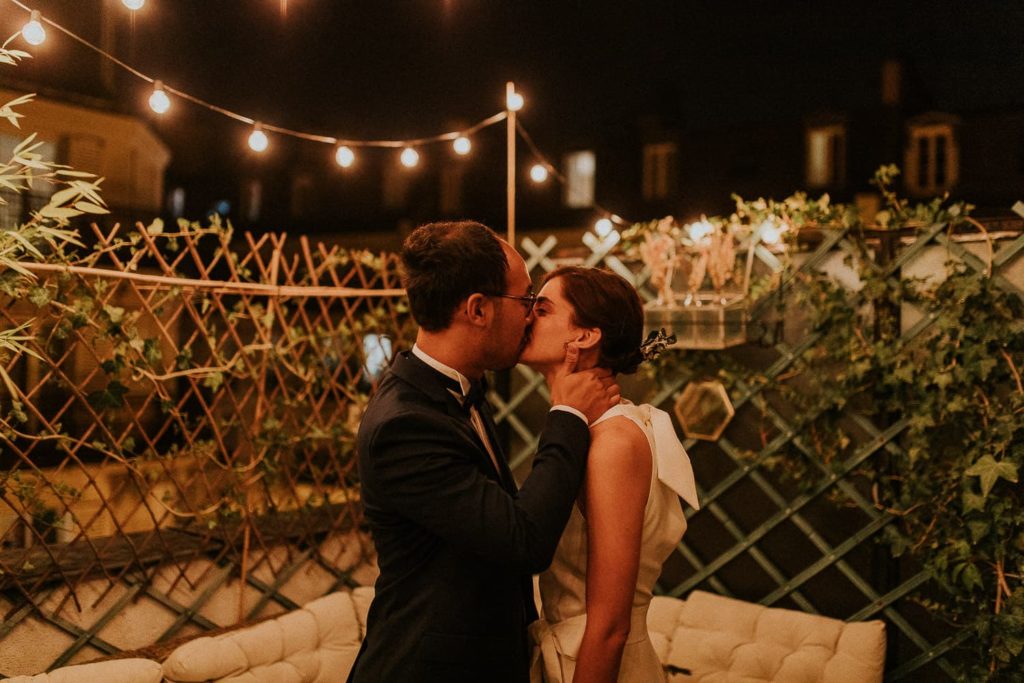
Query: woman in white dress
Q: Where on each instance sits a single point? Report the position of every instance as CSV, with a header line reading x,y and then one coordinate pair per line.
x,y
628,517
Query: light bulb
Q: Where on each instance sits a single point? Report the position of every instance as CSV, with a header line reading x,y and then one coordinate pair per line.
x,y
462,145
33,32
258,141
344,156
514,101
134,4
158,101
603,227
700,230
769,232
538,173
410,157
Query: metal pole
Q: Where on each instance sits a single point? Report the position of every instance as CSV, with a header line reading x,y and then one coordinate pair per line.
x,y
511,163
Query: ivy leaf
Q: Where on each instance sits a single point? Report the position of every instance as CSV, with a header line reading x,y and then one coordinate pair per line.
x,y
978,529
904,373
213,380
156,227
989,471
110,397
40,296
971,578
116,313
973,502
151,351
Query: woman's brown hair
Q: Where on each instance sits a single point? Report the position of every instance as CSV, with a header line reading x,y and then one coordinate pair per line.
x,y
602,299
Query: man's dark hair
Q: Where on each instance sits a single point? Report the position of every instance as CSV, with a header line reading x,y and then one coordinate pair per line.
x,y
444,263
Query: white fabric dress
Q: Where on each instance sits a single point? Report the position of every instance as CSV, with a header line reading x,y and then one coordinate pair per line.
x,y
559,631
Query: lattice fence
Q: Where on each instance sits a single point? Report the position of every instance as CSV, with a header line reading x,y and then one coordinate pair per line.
x,y
757,537
177,434
180,417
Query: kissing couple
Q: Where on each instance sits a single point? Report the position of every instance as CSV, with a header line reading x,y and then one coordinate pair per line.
x,y
457,539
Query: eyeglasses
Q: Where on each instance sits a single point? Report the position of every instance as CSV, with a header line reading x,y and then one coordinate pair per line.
x,y
528,301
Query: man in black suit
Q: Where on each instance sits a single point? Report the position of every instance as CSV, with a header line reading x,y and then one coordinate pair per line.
x,y
457,542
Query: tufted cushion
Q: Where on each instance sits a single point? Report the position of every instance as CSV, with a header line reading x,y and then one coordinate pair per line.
x,y
362,597
315,644
719,639
113,671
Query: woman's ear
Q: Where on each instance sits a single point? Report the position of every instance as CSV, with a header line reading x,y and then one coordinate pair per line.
x,y
588,338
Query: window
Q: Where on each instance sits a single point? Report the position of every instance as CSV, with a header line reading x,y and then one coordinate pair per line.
x,y
378,353
580,168
396,186
176,202
826,156
932,159
86,153
252,198
303,196
451,190
659,169
20,205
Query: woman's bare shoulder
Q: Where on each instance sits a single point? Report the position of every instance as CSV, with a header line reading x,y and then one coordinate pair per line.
x,y
618,437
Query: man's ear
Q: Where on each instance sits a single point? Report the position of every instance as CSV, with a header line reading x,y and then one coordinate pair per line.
x,y
477,309
588,338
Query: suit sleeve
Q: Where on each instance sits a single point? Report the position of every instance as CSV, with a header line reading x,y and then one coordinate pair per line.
x,y
435,481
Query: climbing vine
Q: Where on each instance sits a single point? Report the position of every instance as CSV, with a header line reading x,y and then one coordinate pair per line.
x,y
950,384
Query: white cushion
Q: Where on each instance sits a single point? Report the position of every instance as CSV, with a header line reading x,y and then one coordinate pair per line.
x,y
112,671
718,639
315,644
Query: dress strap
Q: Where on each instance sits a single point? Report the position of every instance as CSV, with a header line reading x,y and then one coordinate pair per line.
x,y
620,409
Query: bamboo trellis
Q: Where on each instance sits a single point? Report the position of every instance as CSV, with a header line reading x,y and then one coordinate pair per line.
x,y
181,397
192,479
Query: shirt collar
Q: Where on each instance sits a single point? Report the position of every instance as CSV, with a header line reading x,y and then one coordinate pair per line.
x,y
445,370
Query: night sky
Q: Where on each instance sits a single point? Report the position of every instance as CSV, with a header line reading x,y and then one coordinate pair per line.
x,y
400,69
410,68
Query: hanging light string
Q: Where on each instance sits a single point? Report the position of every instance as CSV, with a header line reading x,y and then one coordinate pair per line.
x,y
313,137
553,170
460,138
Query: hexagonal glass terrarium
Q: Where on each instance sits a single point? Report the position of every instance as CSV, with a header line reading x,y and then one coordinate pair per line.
x,y
704,410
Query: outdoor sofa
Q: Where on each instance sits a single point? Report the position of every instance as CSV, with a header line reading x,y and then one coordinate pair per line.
x,y
705,638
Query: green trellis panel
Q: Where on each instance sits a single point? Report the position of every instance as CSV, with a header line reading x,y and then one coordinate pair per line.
x,y
709,564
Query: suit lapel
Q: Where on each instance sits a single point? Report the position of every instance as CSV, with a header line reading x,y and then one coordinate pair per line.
x,y
435,385
507,480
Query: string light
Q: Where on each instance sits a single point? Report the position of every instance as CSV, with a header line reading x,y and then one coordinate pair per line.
x,y
700,229
514,101
769,232
462,145
410,157
258,141
158,101
33,31
344,156
603,227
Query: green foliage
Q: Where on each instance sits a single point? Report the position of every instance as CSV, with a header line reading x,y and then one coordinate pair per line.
x,y
952,482
247,370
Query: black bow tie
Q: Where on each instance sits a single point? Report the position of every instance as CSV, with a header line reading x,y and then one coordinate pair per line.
x,y
477,394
